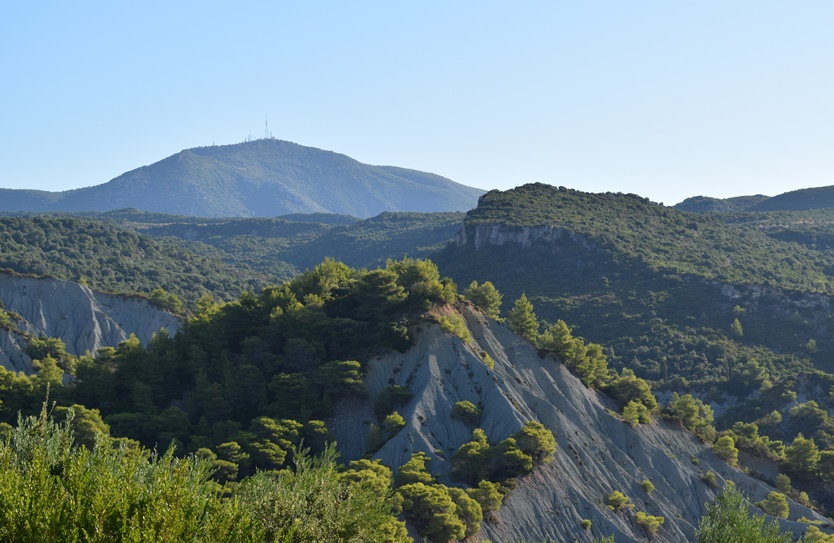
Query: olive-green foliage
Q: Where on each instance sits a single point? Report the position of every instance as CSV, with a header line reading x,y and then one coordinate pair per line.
x,y
286,355
115,259
586,524
629,274
617,501
634,413
485,297
522,320
431,510
313,503
471,463
466,412
488,495
627,388
649,523
647,485
414,471
728,520
379,434
514,456
783,483
537,441
51,490
815,535
693,414
468,510
725,448
455,324
391,398
710,479
776,504
802,456
371,473
586,360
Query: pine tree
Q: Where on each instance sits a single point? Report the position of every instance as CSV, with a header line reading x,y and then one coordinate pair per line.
x,y
522,320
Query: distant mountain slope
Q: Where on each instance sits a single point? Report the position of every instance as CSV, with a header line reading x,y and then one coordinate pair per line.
x,y
796,200
799,200
263,178
705,204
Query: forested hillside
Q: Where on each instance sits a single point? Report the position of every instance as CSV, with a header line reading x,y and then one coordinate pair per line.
x,y
440,412
114,259
729,308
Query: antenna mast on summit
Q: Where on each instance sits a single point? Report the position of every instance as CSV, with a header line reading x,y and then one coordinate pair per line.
x,y
266,127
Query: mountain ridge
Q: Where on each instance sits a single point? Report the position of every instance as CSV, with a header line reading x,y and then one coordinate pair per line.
x,y
263,178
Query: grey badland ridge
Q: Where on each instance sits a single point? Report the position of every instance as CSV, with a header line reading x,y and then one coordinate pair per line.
x,y
597,452
261,178
85,320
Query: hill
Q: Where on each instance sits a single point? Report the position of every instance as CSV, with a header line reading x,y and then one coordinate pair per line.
x,y
799,200
262,178
727,307
400,371
112,258
705,204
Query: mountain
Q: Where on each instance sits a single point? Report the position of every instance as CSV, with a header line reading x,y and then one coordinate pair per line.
x,y
796,200
262,178
705,204
799,200
83,319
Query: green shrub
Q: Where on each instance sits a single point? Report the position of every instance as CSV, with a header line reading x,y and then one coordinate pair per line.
x,y
649,523
466,412
617,501
648,487
586,524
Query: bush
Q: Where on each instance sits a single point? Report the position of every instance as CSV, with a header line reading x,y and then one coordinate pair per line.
x,y
728,519
467,413
586,524
617,501
776,504
726,450
649,523
648,487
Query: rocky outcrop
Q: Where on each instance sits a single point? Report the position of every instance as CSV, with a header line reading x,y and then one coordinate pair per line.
x,y
83,319
597,452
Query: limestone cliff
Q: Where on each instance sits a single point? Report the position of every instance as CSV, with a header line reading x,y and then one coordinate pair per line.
x,y
82,318
597,452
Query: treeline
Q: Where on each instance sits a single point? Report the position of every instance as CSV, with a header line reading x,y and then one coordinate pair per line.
x,y
245,380
114,259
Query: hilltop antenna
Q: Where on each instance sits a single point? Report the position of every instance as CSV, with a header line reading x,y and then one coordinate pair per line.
x,y
266,127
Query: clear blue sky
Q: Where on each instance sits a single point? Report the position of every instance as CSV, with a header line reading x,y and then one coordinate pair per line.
x,y
659,98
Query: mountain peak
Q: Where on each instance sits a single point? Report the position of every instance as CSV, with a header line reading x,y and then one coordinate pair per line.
x,y
261,178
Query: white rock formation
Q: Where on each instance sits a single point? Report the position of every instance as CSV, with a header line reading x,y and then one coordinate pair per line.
x,y
83,319
597,452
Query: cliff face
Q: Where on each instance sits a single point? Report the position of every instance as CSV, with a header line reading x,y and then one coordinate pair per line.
x,y
597,452
484,234
83,319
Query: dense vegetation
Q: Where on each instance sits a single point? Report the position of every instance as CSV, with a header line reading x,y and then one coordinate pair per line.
x,y
115,259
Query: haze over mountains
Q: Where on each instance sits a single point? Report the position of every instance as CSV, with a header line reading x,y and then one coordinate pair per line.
x,y
262,178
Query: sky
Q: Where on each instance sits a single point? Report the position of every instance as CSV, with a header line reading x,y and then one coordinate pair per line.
x,y
663,99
